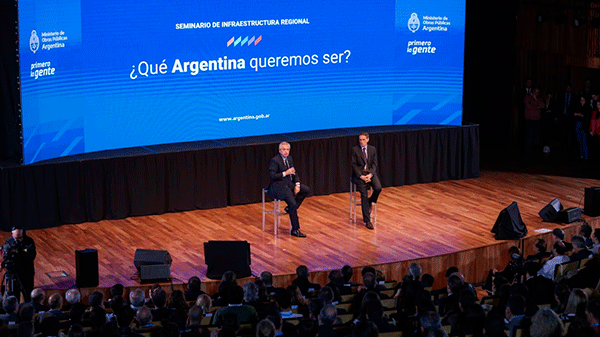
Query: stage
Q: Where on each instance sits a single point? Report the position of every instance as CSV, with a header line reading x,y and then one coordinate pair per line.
x,y
436,224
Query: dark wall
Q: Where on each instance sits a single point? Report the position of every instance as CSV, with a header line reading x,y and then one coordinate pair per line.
x,y
10,129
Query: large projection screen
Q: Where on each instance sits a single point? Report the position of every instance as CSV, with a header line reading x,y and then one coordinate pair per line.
x,y
99,75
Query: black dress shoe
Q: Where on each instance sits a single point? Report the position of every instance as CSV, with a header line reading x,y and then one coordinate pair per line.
x,y
286,209
369,225
298,234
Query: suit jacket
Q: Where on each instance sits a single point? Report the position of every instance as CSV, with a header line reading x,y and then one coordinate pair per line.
x,y
358,161
278,181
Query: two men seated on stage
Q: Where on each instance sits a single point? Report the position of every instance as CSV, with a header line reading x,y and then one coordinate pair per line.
x,y
285,183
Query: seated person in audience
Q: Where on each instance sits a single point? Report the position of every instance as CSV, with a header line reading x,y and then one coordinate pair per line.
x,y
326,294
37,300
580,248
55,302
116,294
336,282
368,285
546,323
427,281
205,302
298,301
228,282
437,293
512,271
10,305
327,318
314,307
284,301
282,328
179,308
596,241
347,273
372,270
97,318
429,322
540,250
245,313
302,281
144,318
193,290
26,315
159,298
137,298
307,328
575,308
471,318
125,317
251,297
585,230
540,289
373,310
267,279
49,326
558,253
194,323
72,296
587,276
515,314
561,296
265,328
559,235
593,314
494,326
410,281
75,315
455,284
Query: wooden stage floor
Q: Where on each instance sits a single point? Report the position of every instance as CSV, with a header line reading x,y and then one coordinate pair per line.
x,y
414,222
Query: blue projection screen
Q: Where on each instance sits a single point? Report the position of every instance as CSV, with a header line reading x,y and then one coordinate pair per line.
x,y
99,75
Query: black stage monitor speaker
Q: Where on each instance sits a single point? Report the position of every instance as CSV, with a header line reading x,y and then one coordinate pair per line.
x,y
591,205
150,257
550,211
86,263
221,256
509,225
569,215
155,272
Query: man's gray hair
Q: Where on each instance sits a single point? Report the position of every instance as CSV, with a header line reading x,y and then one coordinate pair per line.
x,y
73,296
415,270
284,143
137,297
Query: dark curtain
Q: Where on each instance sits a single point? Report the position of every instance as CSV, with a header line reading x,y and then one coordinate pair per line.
x,y
45,195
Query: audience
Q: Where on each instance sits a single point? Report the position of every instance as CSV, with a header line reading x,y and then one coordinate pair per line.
x,y
522,295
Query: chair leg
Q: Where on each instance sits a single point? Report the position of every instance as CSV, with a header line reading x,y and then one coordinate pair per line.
x,y
263,210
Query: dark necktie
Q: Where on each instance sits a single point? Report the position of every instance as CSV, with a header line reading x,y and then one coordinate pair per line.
x,y
365,157
287,166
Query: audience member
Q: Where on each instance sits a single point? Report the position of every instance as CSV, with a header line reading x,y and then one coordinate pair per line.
x,y
596,241
541,289
546,323
159,298
245,313
137,298
55,302
579,248
327,318
265,328
540,248
193,289
144,318
558,253
37,300
302,281
585,230
10,305
559,235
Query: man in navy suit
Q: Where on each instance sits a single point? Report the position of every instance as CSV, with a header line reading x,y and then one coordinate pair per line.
x,y
364,174
285,185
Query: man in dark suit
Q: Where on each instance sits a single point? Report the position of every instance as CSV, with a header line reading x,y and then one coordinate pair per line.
x,y
285,185
364,174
